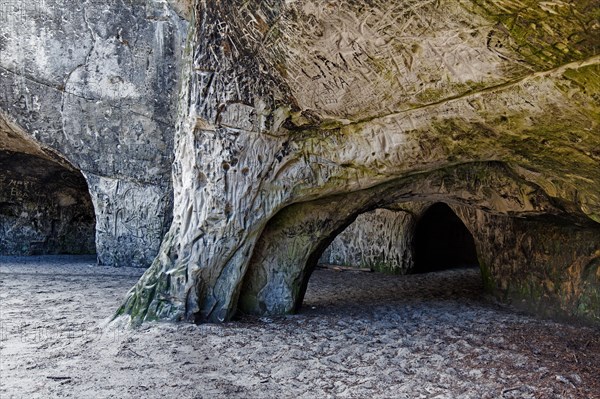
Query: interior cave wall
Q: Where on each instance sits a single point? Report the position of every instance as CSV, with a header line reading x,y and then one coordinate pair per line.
x,y
546,265
379,240
45,208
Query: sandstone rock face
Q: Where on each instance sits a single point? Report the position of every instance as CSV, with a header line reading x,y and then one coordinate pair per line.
x,y
295,117
298,116
96,82
544,264
380,240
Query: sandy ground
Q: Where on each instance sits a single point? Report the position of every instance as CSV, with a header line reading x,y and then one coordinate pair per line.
x,y
360,335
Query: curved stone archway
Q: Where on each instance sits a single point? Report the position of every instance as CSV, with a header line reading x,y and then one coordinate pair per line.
x,y
45,204
293,241
442,241
45,208
287,103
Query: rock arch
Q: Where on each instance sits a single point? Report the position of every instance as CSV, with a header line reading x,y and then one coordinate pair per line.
x,y
293,241
286,106
45,205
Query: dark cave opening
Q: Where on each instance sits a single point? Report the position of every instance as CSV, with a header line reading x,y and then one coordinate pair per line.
x,y
441,241
45,207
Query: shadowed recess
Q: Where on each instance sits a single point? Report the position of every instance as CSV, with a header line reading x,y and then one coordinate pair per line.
x,y
442,241
45,207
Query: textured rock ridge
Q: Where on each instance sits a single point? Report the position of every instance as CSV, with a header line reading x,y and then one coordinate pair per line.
x,y
276,124
298,116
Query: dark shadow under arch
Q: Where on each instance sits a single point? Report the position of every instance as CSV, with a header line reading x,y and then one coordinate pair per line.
x,y
294,239
45,207
441,241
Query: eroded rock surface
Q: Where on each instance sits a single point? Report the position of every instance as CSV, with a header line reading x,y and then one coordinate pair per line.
x,y
293,110
379,240
96,82
294,117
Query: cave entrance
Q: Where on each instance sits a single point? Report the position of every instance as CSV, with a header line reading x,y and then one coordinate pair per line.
x,y
45,206
441,241
296,240
417,245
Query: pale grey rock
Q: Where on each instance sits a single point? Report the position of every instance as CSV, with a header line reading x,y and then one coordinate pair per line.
x,y
295,117
130,219
380,240
96,82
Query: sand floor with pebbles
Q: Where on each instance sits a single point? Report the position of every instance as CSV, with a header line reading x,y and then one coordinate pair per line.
x,y
359,335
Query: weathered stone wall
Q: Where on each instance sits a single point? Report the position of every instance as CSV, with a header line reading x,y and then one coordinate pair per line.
x,y
96,81
379,240
547,265
295,238
132,218
45,208
286,105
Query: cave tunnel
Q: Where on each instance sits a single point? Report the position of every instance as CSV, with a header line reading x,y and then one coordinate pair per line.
x,y
441,241
45,206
